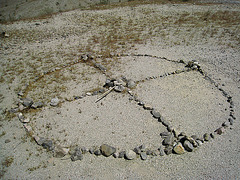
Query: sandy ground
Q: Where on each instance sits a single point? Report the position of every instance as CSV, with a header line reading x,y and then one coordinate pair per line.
x,y
208,33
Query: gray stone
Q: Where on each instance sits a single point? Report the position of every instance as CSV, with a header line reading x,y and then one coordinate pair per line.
x,y
169,140
219,130
101,90
95,93
188,146
48,144
212,135
142,147
191,140
130,155
195,137
226,124
143,155
152,152
7,141
27,128
116,155
97,152
131,84
179,149
107,150
161,151
20,93
54,102
168,150
165,122
170,128
119,88
182,134
91,150
39,140
84,150
122,154
148,152
147,107
199,142
77,155
230,121
232,115
165,134
137,150
100,66
36,105
206,137
27,102
156,114
84,57
109,83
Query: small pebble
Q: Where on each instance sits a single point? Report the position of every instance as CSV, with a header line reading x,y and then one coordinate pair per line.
x,y
7,141
121,154
161,151
143,155
206,137
147,107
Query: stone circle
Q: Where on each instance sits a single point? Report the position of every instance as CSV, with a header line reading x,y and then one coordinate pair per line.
x,y
173,141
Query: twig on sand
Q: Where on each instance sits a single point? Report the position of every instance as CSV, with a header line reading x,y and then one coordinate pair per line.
x,y
105,94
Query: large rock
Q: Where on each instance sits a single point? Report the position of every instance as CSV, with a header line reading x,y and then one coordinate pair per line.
x,y
107,150
179,149
130,155
188,146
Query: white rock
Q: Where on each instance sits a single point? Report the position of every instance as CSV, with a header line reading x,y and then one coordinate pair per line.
x,y
20,117
88,94
130,154
54,102
26,120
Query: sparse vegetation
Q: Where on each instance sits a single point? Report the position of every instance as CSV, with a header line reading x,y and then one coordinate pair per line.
x,y
2,134
8,161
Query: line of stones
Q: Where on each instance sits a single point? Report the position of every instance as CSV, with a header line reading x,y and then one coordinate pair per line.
x,y
174,142
179,143
86,59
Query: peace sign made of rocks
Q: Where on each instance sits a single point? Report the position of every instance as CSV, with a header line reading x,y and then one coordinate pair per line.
x,y
161,88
